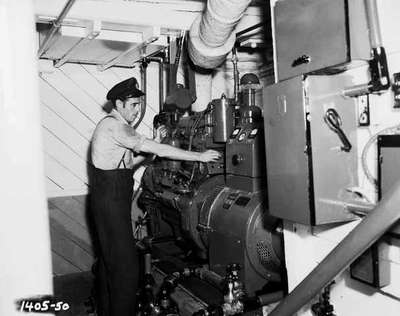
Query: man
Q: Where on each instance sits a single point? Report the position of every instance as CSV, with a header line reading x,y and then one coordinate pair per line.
x,y
113,144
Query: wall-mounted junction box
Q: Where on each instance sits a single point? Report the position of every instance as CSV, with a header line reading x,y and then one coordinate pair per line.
x,y
313,35
309,172
373,267
388,168
369,268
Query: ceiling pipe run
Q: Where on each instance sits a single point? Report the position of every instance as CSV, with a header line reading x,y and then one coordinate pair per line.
x,y
56,25
211,36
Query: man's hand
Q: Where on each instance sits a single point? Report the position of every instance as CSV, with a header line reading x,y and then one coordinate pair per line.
x,y
160,133
209,155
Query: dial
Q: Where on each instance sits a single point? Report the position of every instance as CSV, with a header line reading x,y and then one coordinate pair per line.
x,y
242,136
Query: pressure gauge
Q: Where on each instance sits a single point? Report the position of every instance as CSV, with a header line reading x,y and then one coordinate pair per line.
x,y
242,136
235,133
253,133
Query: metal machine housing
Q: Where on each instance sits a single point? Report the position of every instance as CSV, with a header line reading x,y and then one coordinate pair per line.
x,y
303,153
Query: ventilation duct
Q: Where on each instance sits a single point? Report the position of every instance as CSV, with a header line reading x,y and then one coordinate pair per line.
x,y
211,34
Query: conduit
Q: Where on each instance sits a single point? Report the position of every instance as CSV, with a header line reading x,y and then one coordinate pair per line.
x,y
211,36
143,86
372,227
160,61
375,36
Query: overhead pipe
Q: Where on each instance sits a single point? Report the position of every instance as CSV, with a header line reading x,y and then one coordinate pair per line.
x,y
375,36
378,68
368,231
143,86
235,75
56,25
211,36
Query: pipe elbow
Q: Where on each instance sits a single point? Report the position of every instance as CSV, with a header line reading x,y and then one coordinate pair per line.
x,y
212,36
203,55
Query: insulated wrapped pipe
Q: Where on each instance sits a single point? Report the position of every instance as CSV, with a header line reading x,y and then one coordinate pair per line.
x,y
211,36
219,20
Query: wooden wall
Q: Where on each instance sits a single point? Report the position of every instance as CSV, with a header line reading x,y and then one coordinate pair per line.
x,y
71,241
72,99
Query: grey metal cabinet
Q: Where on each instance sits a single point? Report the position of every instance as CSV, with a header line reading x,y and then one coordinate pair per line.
x,y
310,175
315,35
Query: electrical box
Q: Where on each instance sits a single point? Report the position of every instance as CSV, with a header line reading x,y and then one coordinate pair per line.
x,y
310,169
373,266
370,268
245,152
313,35
388,168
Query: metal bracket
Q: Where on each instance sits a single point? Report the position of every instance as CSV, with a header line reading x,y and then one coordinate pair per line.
x,y
363,110
92,31
150,35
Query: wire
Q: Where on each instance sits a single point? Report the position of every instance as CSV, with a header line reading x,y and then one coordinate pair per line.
x,y
334,122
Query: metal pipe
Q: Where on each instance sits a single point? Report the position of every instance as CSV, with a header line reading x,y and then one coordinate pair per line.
x,y
155,59
373,226
249,29
212,277
373,23
143,86
161,86
269,298
160,61
378,68
147,263
357,90
211,34
235,75
255,302
25,265
56,25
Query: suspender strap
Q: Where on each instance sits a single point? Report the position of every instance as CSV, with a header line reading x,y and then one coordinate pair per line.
x,y
122,161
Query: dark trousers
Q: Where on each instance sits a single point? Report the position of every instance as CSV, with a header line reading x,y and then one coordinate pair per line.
x,y
117,273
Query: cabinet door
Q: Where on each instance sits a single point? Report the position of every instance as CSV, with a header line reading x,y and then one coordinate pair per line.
x,y
286,152
310,35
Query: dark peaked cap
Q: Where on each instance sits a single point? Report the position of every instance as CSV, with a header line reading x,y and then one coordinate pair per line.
x,y
124,89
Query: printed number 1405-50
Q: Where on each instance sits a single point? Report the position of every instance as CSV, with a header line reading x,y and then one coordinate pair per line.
x,y
43,306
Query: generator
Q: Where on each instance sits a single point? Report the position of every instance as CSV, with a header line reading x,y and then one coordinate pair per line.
x,y
216,213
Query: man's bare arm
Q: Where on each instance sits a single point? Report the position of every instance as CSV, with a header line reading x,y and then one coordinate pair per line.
x,y
128,138
171,152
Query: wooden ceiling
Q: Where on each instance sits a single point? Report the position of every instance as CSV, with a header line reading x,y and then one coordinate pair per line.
x,y
122,32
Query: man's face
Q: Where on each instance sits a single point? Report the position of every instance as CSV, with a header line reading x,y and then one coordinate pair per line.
x,y
129,109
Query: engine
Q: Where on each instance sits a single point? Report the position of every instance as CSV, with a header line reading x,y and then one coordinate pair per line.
x,y
217,212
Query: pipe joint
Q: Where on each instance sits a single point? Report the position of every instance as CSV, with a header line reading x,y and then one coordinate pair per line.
x,y
202,54
211,35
